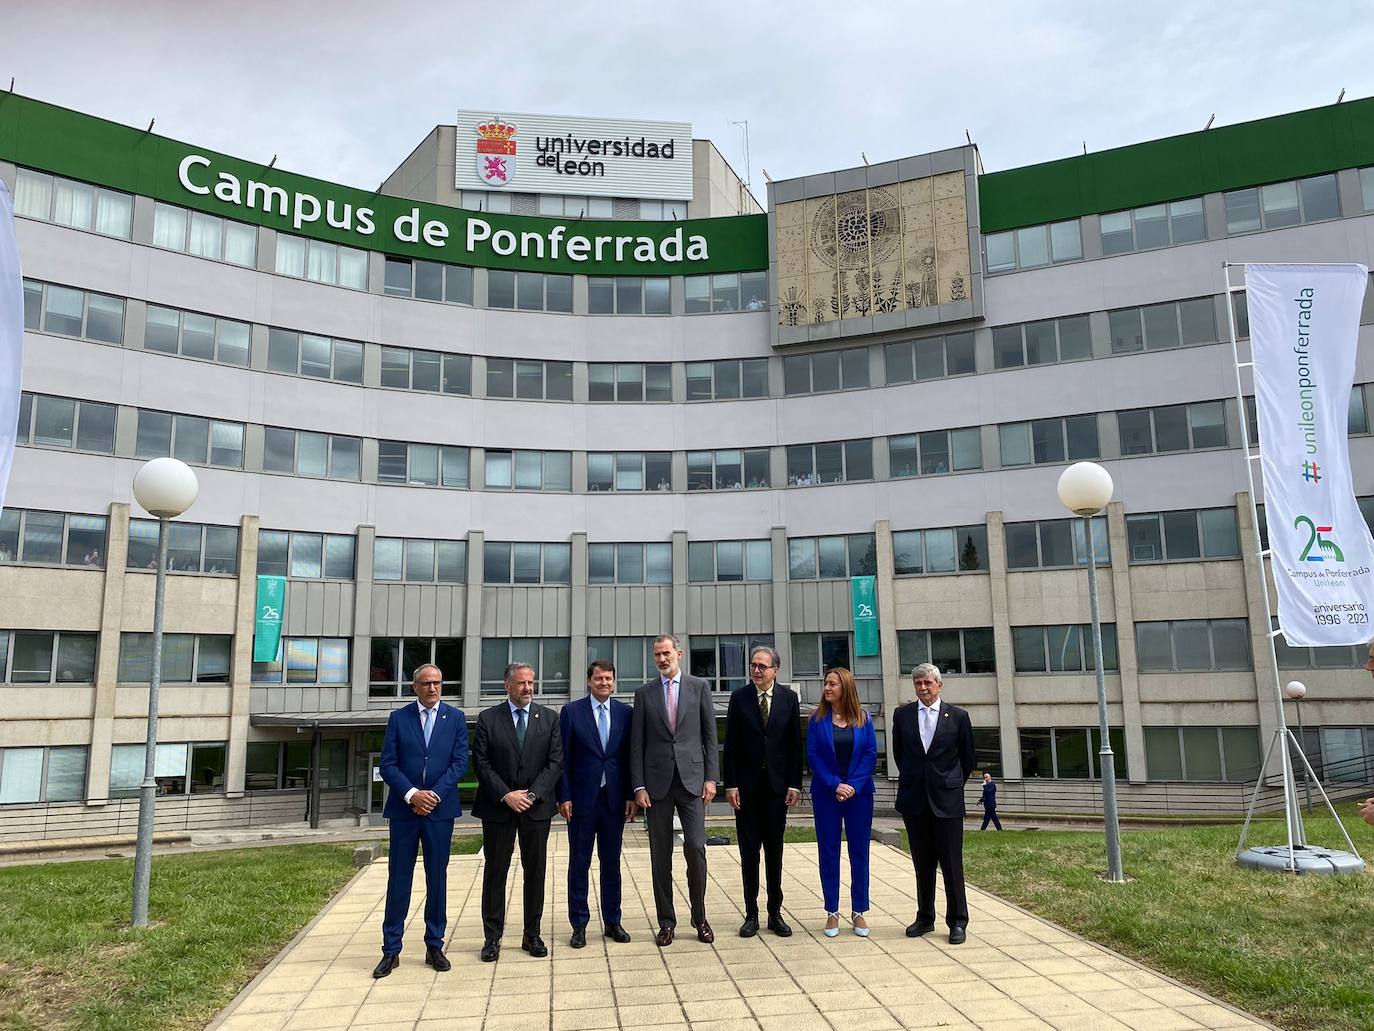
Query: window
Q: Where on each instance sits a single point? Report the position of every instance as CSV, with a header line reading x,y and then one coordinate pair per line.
x,y
727,470
47,657
311,454
1202,753
529,380
55,774
1061,649
629,564
633,658
723,661
425,465
926,552
428,280
273,765
1157,225
393,661
74,313
1034,246
825,371
908,361
833,462
629,471
730,291
831,558
935,452
529,470
550,657
1185,645
1282,204
199,336
1049,441
319,357
205,236
813,654
321,262
66,202
52,538
186,658
965,651
176,772
1357,421
191,547
628,295
1069,753
529,291
504,563
727,380
1173,428
629,381
1158,327
306,556
190,439
1055,543
46,421
412,560
1182,536
307,660
1342,657
1042,343
729,561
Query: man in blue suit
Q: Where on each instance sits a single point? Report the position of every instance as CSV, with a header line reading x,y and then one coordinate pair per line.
x,y
424,754
595,797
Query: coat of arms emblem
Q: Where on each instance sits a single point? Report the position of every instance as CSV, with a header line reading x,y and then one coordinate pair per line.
x,y
496,152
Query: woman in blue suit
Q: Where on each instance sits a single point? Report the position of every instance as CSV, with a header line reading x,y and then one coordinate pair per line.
x,y
843,750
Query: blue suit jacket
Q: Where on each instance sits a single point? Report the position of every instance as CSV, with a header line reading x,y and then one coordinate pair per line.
x,y
407,763
584,760
820,753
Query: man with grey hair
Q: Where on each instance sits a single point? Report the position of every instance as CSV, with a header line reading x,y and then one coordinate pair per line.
x,y
932,742
517,753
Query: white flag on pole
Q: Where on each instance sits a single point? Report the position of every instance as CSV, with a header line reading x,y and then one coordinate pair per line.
x,y
11,336
1304,328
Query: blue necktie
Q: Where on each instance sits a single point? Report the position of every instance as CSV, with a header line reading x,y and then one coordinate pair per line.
x,y
520,728
429,725
603,727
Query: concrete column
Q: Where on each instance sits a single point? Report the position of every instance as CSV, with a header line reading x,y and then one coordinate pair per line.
x,y
361,672
472,635
241,669
678,623
782,617
1001,640
1123,614
578,644
887,633
107,656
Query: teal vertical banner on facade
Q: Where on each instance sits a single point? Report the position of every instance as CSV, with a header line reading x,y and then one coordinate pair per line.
x,y
863,597
267,623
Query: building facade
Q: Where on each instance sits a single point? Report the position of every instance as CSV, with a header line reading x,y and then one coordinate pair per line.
x,y
477,425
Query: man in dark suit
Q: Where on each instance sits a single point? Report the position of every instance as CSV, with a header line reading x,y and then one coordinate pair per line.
x,y
932,742
673,767
595,798
763,772
518,755
424,754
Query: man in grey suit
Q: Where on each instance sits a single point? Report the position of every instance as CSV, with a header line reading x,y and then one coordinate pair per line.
x,y
673,768
517,753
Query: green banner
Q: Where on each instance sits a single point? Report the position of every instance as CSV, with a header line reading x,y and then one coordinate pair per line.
x,y
863,598
53,139
267,621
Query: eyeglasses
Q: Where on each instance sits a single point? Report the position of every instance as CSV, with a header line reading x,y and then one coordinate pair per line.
x,y
759,665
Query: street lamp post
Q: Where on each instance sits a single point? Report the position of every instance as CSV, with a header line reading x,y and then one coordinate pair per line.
x,y
165,487
1085,488
1296,691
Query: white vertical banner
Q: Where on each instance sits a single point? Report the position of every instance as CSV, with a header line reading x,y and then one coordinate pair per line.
x,y
11,336
1304,328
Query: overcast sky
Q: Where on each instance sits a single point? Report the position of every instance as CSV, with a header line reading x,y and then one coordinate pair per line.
x,y
344,90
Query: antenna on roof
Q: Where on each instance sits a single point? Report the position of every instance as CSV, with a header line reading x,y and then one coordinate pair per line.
x,y
864,156
1338,99
11,83
150,125
1210,121
968,136
1085,146
273,162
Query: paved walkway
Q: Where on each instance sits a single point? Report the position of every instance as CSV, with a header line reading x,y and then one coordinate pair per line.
x,y
1015,971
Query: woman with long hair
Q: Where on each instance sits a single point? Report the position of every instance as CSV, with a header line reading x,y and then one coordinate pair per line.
x,y
843,750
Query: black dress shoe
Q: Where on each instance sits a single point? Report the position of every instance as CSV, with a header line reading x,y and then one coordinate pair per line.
x,y
704,933
750,927
534,946
490,950
579,938
436,958
957,936
617,933
664,937
919,928
778,926
387,965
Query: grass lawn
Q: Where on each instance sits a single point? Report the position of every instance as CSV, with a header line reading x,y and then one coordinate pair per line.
x,y
1297,951
68,957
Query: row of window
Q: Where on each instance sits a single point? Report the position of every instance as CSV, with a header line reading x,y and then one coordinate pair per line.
x,y
278,765
307,660
205,236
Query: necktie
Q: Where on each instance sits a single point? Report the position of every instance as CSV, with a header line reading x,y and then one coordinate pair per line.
x,y
520,727
763,707
927,727
672,705
603,725
429,724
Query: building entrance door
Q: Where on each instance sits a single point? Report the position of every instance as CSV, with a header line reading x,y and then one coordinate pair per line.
x,y
377,789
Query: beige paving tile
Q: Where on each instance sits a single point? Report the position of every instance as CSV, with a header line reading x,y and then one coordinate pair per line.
x,y
517,1022
656,1013
389,1012
863,1020
799,1022
324,1017
255,1021
273,1002
983,1011
1162,1019
443,1007
717,1009
1210,1015
1114,1002
568,1019
703,991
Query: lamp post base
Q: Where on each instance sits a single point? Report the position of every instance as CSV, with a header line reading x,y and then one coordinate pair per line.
x,y
1305,859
